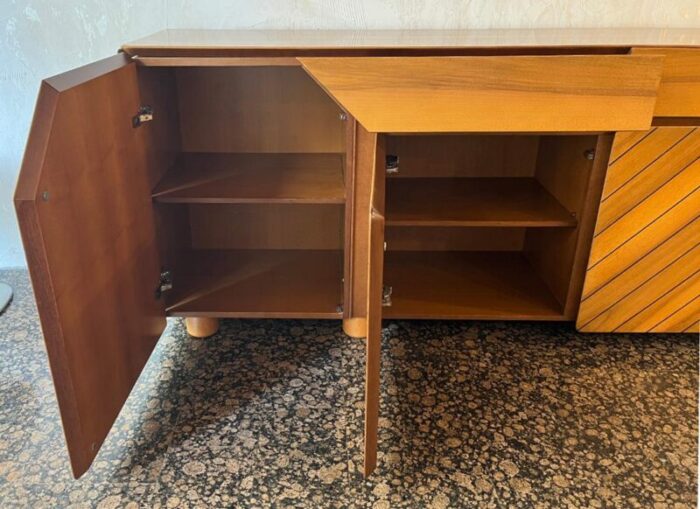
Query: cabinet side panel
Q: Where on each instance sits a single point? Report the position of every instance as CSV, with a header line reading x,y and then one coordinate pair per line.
x,y
559,254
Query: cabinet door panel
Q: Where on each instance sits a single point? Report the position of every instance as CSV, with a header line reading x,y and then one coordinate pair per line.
x,y
644,264
85,213
577,93
374,338
375,285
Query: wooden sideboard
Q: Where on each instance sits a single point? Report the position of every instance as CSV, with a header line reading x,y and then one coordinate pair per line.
x,y
356,176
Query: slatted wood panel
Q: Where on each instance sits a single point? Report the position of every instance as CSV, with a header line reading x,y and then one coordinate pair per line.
x,y
644,268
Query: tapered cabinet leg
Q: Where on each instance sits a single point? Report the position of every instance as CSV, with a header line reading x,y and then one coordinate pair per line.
x,y
355,327
201,327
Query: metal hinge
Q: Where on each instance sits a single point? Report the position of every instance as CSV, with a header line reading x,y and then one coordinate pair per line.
x,y
145,114
165,284
589,154
392,164
386,295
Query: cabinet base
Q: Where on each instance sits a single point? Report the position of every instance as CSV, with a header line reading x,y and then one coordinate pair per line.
x,y
355,327
201,327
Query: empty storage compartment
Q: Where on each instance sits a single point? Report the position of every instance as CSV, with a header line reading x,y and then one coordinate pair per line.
x,y
250,211
486,226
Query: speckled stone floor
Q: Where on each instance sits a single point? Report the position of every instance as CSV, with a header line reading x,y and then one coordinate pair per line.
x,y
269,413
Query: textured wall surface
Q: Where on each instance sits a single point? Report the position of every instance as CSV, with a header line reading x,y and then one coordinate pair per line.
x,y
44,37
40,39
431,14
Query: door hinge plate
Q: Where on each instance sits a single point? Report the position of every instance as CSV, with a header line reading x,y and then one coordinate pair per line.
x,y
144,114
392,164
386,295
165,283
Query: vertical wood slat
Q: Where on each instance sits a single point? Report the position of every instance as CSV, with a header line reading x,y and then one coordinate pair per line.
x,y
645,259
374,338
375,283
364,154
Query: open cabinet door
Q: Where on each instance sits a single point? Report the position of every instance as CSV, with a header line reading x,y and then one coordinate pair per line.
x,y
84,207
375,285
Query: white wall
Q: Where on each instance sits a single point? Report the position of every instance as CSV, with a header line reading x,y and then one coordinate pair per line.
x,y
44,37
41,38
431,14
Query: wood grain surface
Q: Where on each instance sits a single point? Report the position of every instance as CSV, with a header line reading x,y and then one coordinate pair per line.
x,y
643,269
515,202
83,203
679,92
253,283
254,178
493,94
467,286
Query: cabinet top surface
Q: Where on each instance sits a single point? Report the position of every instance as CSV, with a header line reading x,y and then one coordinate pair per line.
x,y
207,41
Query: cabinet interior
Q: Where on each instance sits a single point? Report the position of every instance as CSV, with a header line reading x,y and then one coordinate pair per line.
x,y
250,206
485,226
250,202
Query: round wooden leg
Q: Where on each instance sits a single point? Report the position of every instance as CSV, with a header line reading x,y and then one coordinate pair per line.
x,y
355,327
201,327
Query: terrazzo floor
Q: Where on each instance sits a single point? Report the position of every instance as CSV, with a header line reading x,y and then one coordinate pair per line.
x,y
269,414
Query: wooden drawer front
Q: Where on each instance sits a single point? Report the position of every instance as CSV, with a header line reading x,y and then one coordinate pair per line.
x,y
679,91
493,94
644,268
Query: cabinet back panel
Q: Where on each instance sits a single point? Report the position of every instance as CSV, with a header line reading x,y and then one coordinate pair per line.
x,y
173,233
421,238
256,109
157,89
267,226
464,156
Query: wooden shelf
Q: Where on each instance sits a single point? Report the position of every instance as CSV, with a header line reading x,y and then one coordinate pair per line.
x,y
513,202
467,285
253,178
258,284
